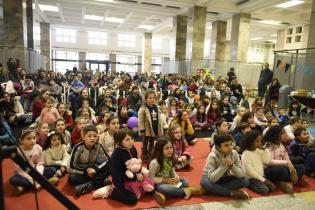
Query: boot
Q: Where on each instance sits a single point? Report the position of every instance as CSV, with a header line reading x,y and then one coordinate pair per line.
x,y
193,190
19,190
159,198
239,194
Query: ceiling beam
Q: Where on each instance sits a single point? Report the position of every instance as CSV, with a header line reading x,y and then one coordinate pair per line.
x,y
83,15
165,23
40,13
105,15
60,13
126,18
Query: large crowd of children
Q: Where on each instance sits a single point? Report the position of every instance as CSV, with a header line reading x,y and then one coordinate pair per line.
x,y
84,125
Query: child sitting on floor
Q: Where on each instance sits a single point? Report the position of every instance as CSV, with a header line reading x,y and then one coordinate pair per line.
x,y
222,173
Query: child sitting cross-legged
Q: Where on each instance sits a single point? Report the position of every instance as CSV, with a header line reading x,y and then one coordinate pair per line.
x,y
222,174
89,163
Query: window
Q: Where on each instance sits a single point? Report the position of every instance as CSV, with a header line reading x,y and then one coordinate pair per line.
x,y
156,65
36,33
97,56
69,60
156,43
255,54
97,38
65,35
126,40
127,63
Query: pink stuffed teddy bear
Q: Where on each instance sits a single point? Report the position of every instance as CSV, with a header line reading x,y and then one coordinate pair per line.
x,y
143,183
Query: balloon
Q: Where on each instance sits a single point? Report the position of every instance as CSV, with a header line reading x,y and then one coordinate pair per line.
x,y
132,122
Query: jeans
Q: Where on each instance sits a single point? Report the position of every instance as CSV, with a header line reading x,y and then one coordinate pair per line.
x,y
171,191
49,171
224,186
18,180
124,196
28,102
98,180
258,186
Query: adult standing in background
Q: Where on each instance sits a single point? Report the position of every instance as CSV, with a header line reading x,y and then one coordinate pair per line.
x,y
265,79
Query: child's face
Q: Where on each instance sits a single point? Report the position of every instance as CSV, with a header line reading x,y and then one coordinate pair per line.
x,y
202,110
128,142
226,101
224,127
114,125
297,124
55,140
44,129
260,113
274,122
150,100
295,106
124,111
62,109
268,114
191,94
177,133
226,147
85,113
189,109
257,142
284,136
85,104
85,93
29,140
304,136
90,138
304,124
185,115
168,150
81,124
282,111
173,103
214,106
60,127
106,116
241,111
246,130
49,104
250,120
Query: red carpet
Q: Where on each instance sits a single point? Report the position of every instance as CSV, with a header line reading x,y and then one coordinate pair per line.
x,y
200,152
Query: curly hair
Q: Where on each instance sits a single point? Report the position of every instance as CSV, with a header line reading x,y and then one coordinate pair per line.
x,y
273,135
249,139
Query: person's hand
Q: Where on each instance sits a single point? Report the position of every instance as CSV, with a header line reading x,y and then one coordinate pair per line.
x,y
63,169
176,179
228,162
237,149
91,172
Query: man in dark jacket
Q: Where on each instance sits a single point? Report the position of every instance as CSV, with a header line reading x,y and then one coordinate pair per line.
x,y
265,79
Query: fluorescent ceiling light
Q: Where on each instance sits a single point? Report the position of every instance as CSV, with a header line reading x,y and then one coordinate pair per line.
x,y
274,35
272,40
271,22
93,17
51,8
148,27
114,20
256,38
291,3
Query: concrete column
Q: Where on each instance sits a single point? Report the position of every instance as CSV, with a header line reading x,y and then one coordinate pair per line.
x,y
218,40
309,69
30,24
1,32
45,42
139,64
280,39
82,63
266,53
196,27
240,37
147,53
113,59
14,18
178,48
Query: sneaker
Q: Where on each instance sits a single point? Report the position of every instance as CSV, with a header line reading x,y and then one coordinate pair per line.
x,y
83,188
159,198
286,187
239,194
19,190
53,180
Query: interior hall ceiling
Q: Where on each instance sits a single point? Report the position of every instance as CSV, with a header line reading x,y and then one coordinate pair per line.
x,y
159,13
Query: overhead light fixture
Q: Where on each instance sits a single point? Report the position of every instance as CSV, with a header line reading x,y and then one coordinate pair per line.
x,y
93,17
114,20
274,35
271,22
51,8
291,3
147,27
256,38
272,40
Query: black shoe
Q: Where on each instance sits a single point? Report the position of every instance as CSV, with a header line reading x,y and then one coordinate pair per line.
x,y
83,188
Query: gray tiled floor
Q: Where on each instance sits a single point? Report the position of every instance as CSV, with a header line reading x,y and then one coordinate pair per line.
x,y
301,201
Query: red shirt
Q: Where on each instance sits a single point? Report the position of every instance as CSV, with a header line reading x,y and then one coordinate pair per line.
x,y
37,107
76,136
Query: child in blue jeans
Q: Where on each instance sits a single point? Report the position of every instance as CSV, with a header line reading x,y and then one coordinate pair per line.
x,y
162,172
222,174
